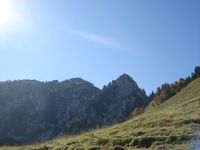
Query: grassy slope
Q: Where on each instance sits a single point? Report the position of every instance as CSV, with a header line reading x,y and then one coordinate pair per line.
x,y
172,124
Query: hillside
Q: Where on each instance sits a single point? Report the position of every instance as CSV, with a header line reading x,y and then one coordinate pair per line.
x,y
174,124
33,111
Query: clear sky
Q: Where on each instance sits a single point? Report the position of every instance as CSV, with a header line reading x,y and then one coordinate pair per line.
x,y
153,41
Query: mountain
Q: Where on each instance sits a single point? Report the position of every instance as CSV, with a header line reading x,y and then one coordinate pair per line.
x,y
113,104
32,111
172,125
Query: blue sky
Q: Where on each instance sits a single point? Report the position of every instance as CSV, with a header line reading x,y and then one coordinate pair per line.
x,y
153,41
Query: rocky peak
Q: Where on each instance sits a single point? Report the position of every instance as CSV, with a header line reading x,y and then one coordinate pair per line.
x,y
125,79
78,82
124,85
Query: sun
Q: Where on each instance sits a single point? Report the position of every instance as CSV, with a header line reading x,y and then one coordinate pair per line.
x,y
6,11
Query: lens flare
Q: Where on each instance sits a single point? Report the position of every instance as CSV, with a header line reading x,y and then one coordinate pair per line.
x,y
6,11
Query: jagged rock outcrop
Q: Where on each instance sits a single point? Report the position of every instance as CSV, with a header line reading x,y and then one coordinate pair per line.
x,y
114,103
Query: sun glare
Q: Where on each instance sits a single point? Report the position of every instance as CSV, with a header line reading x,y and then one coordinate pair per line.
x,y
6,11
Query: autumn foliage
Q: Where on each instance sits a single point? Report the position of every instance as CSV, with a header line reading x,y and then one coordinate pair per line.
x,y
166,91
137,111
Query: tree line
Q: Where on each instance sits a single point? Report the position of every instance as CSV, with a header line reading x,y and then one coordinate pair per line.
x,y
166,90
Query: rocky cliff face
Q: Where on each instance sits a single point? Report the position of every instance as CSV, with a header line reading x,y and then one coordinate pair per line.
x,y
32,111
113,104
126,95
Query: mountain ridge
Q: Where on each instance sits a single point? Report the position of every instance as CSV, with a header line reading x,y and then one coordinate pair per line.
x,y
33,111
174,125
43,110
